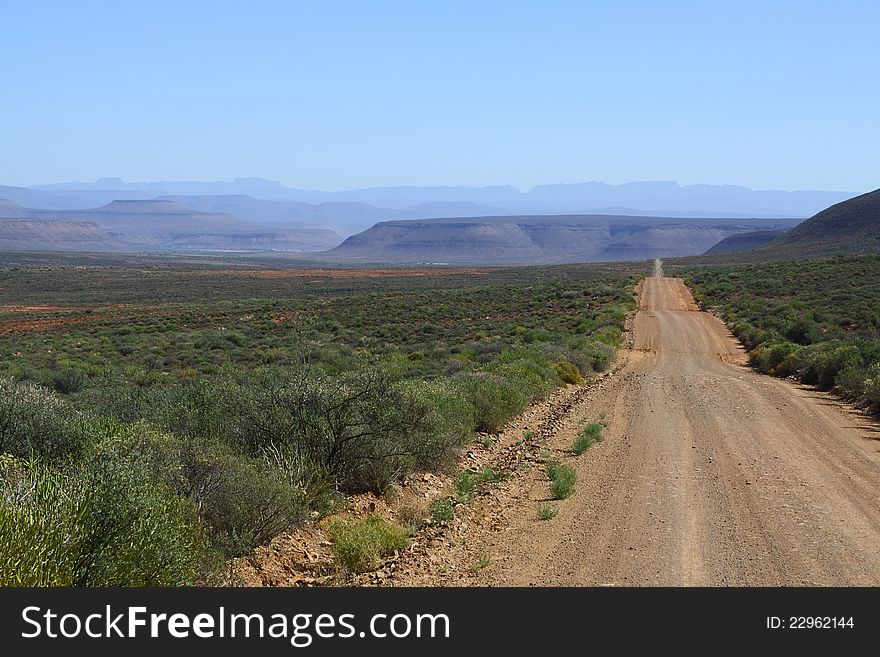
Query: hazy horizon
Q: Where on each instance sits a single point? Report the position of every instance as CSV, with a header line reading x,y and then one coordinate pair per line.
x,y
346,96
108,182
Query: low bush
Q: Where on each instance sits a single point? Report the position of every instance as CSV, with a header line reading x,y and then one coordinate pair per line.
x,y
467,482
441,510
872,386
562,480
359,546
820,363
587,437
777,359
547,512
242,500
366,429
568,372
531,367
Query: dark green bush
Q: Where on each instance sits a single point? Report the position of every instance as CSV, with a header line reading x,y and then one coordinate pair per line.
x,y
67,380
367,429
534,377
819,364
779,359
871,384
244,501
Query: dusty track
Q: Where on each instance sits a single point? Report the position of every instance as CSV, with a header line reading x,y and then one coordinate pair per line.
x,y
710,474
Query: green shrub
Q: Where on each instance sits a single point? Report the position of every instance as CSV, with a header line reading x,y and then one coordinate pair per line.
x,y
67,380
568,372
802,331
535,378
820,363
494,400
366,429
871,393
359,546
599,355
852,382
313,481
441,510
562,480
243,501
778,359
36,422
105,525
547,512
587,437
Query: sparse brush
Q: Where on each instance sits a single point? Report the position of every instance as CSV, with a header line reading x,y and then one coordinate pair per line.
x,y
441,510
411,514
467,482
483,561
587,437
546,512
562,480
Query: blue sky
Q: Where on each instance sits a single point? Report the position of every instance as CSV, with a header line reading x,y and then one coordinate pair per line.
x,y
336,95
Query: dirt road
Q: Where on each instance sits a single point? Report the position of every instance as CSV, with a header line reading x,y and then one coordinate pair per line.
x,y
710,474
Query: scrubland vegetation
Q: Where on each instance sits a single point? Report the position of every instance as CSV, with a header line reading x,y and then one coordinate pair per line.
x,y
818,321
155,424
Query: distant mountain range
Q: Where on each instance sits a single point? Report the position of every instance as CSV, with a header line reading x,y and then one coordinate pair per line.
x,y
652,197
500,224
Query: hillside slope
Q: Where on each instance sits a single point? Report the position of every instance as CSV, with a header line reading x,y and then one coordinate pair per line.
x,y
849,227
744,242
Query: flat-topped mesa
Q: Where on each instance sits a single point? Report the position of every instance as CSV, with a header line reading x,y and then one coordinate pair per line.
x,y
152,206
541,239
